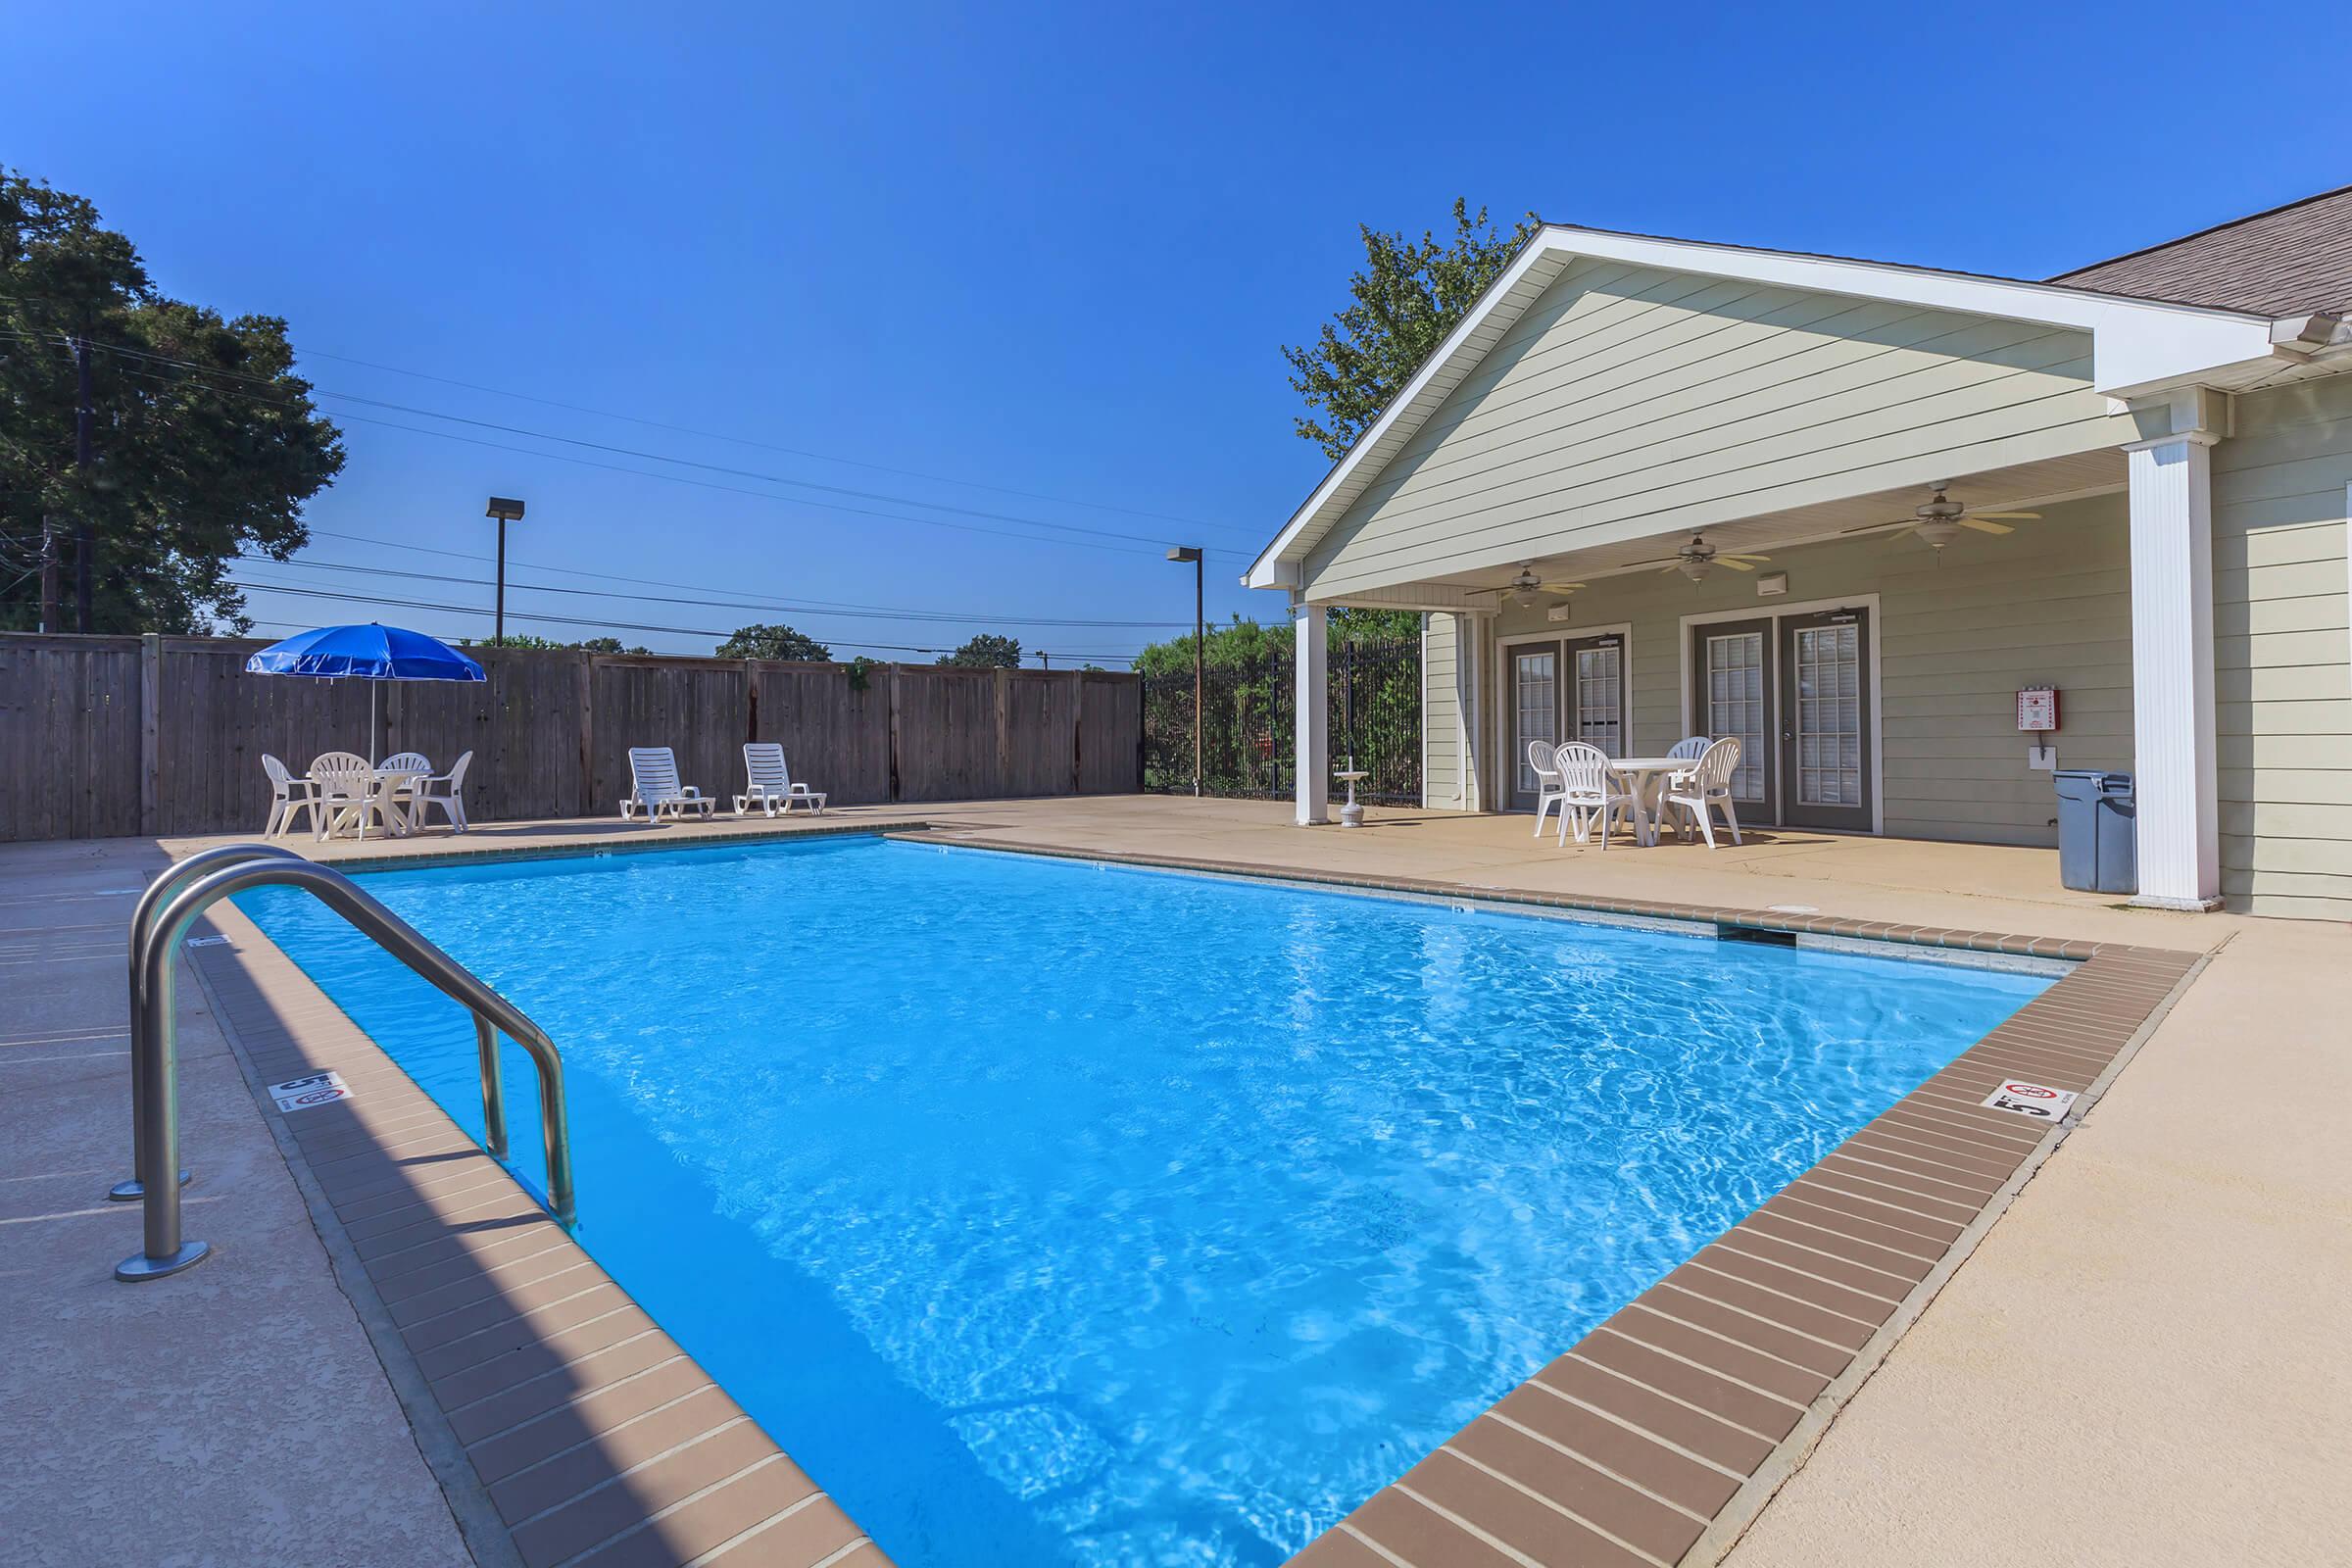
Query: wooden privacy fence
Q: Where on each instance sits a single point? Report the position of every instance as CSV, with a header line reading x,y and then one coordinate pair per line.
x,y
110,736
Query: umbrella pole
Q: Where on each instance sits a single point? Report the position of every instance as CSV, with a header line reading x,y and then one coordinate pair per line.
x,y
371,723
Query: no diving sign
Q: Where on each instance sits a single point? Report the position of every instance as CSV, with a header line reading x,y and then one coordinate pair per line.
x,y
308,1093
2030,1099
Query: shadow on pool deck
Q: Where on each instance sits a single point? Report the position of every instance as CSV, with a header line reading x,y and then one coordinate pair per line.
x,y
530,1376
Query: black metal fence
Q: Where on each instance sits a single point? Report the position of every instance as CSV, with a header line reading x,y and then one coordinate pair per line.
x,y
1247,733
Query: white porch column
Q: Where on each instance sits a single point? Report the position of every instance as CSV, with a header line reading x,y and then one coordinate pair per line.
x,y
2173,752
1311,713
1467,710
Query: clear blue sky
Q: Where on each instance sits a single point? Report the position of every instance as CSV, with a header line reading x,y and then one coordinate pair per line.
x,y
1052,250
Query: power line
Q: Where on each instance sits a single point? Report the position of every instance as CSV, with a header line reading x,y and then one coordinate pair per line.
x,y
804,607
459,639
771,446
612,448
740,490
584,621
661,424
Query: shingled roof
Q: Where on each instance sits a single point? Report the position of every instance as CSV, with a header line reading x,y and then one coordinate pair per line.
x,y
2287,261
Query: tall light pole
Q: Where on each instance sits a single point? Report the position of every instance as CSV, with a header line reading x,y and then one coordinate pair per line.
x,y
1191,553
85,544
506,510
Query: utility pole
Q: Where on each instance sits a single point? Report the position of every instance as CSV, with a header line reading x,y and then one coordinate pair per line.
x,y
1044,659
84,542
49,615
1192,554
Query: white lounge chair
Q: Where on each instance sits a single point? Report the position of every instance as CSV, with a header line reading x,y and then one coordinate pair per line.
x,y
1707,789
654,787
1547,781
347,793
288,795
1590,793
1689,748
445,790
772,787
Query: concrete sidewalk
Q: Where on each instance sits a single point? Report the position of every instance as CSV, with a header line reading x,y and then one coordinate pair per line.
x,y
228,1418
2145,1362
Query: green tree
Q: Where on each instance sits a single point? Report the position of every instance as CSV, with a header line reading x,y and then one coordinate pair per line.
x,y
524,639
205,442
1245,644
1353,625
1407,296
986,651
773,642
1239,643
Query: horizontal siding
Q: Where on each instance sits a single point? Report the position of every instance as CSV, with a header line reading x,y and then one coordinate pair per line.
x,y
1630,401
1958,635
1441,715
2282,651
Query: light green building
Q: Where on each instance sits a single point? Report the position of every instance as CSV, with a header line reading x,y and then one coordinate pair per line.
x,y
1641,417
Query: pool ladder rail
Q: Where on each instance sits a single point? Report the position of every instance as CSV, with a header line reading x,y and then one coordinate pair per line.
x,y
174,902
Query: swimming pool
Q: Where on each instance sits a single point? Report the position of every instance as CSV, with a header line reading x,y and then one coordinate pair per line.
x,y
1055,1213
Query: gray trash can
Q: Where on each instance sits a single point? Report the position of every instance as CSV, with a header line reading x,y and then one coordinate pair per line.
x,y
2098,822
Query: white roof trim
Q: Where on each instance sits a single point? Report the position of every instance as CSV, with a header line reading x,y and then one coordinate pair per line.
x,y
2137,345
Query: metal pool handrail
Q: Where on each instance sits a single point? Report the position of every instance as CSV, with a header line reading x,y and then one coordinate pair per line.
x,y
168,881
156,1042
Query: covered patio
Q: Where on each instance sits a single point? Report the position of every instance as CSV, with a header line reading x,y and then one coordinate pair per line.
x,y
1652,489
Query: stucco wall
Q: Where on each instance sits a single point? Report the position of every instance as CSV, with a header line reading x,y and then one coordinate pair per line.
x,y
2048,604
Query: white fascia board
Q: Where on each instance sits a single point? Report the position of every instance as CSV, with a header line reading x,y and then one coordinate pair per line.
x,y
1264,572
2137,345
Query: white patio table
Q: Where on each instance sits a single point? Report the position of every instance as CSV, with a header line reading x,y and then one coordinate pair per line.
x,y
388,798
1645,779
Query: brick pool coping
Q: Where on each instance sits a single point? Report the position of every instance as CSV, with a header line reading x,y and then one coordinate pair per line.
x,y
1652,1443
569,1430
1655,1440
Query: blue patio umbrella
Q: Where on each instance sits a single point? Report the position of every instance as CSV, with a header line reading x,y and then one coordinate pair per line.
x,y
370,653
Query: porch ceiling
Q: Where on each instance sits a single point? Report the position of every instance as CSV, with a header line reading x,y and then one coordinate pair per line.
x,y
2002,489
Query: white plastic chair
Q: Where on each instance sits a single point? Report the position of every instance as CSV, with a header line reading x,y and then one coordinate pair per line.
x,y
1706,789
654,787
1590,792
347,791
1547,782
771,788
288,796
446,790
1689,748
399,792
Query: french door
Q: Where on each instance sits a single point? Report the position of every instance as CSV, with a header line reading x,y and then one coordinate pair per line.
x,y
1732,695
1826,719
1535,712
1572,690
1794,691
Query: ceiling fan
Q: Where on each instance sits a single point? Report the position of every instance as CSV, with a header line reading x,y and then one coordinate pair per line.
x,y
1699,558
1526,586
1941,520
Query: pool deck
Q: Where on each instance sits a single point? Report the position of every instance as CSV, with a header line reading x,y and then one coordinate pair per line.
x,y
2139,1342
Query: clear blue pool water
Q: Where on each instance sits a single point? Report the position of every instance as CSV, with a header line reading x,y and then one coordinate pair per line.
x,y
1055,1214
